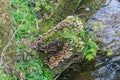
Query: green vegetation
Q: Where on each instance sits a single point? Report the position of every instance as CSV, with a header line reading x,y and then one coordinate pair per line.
x,y
26,27
23,19
42,6
90,49
34,69
23,16
4,76
83,41
79,37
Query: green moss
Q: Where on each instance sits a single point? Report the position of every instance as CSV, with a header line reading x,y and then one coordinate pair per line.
x,y
80,39
5,31
63,9
88,7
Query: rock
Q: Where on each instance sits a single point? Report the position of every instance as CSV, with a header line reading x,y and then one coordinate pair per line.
x,y
110,17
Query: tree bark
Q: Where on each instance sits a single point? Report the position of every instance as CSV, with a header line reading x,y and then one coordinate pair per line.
x,y
7,45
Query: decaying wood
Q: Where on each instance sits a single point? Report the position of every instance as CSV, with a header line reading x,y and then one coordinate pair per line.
x,y
60,54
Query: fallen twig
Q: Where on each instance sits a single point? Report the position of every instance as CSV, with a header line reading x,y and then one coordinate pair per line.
x,y
9,43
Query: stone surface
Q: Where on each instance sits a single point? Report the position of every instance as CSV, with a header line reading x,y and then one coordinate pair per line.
x,y
110,17
110,36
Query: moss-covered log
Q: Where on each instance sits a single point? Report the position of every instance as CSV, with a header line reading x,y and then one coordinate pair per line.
x,y
83,8
63,9
67,32
62,44
7,51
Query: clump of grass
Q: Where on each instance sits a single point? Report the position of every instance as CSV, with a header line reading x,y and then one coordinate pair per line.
x,y
23,15
34,70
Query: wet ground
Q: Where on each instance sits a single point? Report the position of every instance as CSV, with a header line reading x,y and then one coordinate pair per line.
x,y
105,68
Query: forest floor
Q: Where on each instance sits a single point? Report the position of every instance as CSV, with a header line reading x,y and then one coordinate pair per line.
x,y
25,24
